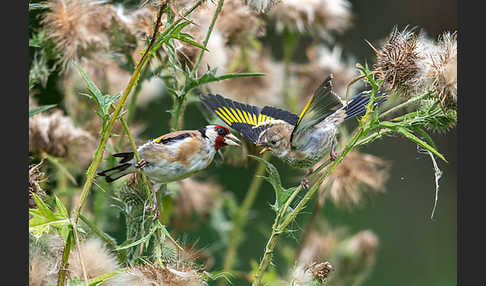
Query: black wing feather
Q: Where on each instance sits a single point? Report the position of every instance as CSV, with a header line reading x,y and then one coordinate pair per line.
x,y
244,117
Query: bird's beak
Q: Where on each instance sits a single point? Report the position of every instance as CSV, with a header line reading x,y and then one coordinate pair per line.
x,y
265,149
230,140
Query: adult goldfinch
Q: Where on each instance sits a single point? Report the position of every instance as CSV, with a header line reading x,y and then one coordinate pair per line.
x,y
302,140
174,156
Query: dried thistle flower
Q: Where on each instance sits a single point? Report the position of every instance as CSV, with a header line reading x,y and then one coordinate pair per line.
x,y
156,275
238,23
318,247
36,177
358,170
45,254
320,271
262,5
96,257
398,62
79,27
320,16
354,258
194,197
38,271
56,135
443,70
413,64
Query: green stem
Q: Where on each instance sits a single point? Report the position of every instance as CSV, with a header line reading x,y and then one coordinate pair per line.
x,y
241,216
206,40
178,109
308,227
402,105
65,256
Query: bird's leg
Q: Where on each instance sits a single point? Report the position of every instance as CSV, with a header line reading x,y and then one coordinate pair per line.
x,y
141,164
333,155
304,182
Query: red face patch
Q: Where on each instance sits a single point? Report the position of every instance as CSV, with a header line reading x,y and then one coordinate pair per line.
x,y
219,143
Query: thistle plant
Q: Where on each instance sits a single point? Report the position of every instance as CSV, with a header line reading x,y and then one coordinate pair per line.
x,y
113,62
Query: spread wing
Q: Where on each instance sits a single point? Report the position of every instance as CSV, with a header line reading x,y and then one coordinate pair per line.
x,y
322,103
247,119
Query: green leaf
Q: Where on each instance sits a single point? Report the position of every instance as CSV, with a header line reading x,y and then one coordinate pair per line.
x,y
189,41
425,135
179,27
281,194
135,243
210,77
103,101
40,109
60,206
166,233
99,280
417,140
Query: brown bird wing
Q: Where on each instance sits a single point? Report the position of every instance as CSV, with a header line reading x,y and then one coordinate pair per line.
x,y
175,136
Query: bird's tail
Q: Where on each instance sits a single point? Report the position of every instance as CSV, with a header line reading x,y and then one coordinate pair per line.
x,y
357,105
121,170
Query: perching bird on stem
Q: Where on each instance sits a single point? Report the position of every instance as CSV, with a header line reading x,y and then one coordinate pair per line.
x,y
173,156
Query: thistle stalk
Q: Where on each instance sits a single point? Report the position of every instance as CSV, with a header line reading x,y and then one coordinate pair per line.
x,y
240,219
206,40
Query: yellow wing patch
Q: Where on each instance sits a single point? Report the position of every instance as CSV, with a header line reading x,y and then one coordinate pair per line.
x,y
222,114
239,116
305,109
158,139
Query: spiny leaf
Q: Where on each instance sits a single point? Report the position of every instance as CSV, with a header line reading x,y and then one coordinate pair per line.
x,y
281,194
189,41
103,101
211,77
417,140
135,243
40,109
60,206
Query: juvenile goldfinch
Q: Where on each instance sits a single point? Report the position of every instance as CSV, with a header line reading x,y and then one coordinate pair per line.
x,y
301,141
173,156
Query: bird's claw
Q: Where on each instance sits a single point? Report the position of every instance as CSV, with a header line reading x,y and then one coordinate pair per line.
x,y
155,209
333,155
304,183
141,164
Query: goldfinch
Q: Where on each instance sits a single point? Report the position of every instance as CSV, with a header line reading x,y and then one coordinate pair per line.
x,y
174,156
302,140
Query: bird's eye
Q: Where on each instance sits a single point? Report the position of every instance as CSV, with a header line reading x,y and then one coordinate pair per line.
x,y
222,132
273,142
